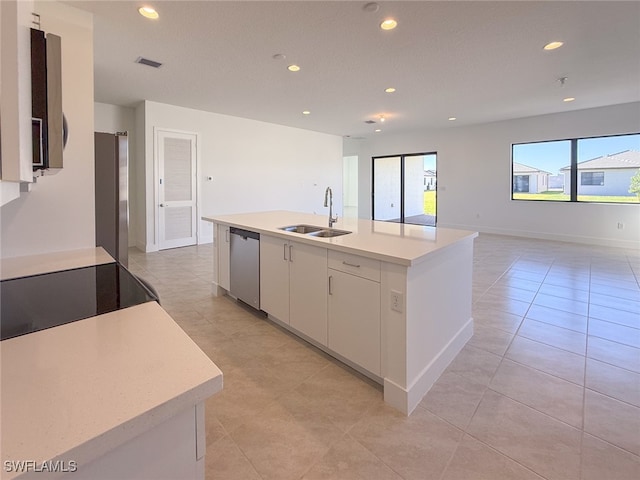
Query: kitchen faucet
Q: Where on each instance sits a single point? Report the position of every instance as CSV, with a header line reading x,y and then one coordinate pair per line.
x,y
328,202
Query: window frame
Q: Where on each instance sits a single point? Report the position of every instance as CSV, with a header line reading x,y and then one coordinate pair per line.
x,y
573,197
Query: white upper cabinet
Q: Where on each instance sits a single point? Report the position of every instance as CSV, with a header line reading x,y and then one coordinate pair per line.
x,y
15,109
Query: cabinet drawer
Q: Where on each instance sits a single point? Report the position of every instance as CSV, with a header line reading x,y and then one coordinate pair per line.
x,y
355,264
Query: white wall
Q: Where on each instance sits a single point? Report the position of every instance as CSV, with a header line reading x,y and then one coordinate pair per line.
x,y
254,166
474,176
58,213
112,119
350,180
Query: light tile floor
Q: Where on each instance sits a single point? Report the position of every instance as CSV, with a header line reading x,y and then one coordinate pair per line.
x,y
548,387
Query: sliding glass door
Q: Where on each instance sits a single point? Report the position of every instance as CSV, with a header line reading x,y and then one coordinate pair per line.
x,y
404,188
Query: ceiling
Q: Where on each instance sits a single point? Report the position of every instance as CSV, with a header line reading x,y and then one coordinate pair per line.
x,y
479,61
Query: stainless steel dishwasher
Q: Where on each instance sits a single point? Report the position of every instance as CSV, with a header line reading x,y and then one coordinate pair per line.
x,y
245,266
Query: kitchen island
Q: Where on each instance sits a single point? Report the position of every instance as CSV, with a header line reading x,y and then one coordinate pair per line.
x,y
391,300
117,395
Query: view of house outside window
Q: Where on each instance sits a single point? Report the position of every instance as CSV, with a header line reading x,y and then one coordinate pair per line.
x,y
608,170
537,171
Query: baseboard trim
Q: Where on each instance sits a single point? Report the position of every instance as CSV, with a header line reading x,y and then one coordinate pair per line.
x,y
558,237
407,399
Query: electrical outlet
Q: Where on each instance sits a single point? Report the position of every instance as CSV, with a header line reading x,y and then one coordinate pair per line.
x,y
620,225
397,301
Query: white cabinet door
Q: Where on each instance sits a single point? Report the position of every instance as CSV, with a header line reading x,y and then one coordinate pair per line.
x,y
15,114
274,277
354,319
308,290
224,267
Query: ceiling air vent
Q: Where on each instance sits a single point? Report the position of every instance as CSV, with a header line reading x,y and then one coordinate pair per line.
x,y
150,63
369,121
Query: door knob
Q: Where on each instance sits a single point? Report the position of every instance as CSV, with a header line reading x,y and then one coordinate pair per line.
x,y
162,205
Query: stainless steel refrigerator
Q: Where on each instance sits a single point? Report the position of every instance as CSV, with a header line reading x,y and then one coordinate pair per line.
x,y
112,184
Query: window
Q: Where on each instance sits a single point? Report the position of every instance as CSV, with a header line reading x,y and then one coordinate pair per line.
x,y
536,171
596,169
591,178
521,183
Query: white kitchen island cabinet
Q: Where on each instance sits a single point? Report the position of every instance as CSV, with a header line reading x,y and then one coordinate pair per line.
x,y
293,285
399,305
354,319
224,255
274,277
354,309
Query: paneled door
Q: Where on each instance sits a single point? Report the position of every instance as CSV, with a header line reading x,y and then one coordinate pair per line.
x,y
177,196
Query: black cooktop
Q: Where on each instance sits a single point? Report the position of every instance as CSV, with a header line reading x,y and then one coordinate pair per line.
x,y
34,303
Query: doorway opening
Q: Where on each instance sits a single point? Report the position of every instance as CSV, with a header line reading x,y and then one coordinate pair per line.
x,y
176,164
405,188
350,186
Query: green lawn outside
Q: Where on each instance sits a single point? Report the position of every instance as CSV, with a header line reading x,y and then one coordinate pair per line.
x,y
430,199
430,202
559,196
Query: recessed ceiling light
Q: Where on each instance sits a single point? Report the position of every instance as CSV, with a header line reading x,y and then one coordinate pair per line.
x,y
377,130
568,99
382,118
388,24
553,45
306,112
390,90
451,119
148,12
293,68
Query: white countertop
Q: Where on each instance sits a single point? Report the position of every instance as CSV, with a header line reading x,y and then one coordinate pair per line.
x,y
399,243
78,390
17,267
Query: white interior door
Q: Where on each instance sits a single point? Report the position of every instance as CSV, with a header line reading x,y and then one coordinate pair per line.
x,y
177,212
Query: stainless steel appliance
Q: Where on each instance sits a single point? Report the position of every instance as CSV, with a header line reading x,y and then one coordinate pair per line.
x,y
245,266
112,184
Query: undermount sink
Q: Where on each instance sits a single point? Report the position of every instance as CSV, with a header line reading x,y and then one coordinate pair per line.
x,y
329,232
302,228
314,231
